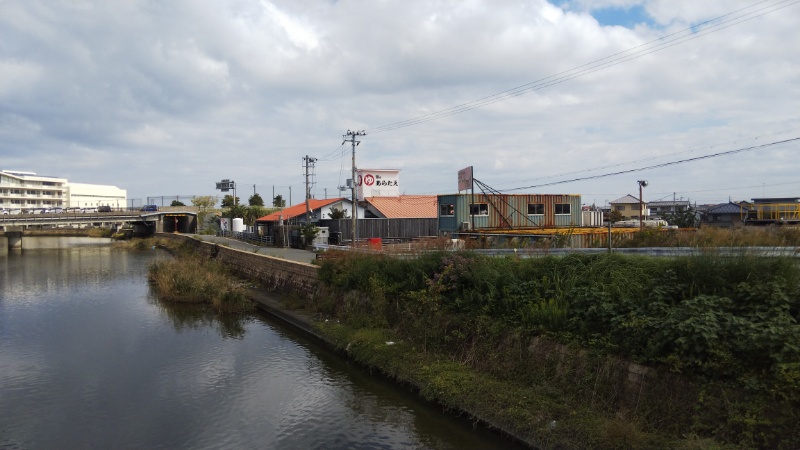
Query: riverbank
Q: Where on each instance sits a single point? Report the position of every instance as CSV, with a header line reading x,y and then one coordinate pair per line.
x,y
474,338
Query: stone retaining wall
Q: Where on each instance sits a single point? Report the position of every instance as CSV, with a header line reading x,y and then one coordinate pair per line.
x,y
275,273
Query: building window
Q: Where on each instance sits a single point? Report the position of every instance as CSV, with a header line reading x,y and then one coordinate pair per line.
x,y
535,208
447,209
562,208
479,209
619,208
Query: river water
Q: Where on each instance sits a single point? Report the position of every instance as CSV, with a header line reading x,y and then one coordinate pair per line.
x,y
89,358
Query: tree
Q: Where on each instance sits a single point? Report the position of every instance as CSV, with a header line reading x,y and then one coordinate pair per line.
x,y
682,219
176,203
614,216
309,232
253,213
279,202
204,202
255,200
228,201
337,213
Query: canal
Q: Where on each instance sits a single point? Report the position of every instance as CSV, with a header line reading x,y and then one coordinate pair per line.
x,y
89,358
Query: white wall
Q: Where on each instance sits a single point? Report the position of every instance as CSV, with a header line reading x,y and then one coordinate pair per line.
x,y
93,195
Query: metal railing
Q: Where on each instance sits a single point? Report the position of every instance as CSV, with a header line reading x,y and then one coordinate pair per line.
x,y
253,238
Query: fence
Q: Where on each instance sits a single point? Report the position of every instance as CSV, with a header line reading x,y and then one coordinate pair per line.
x,y
247,237
386,229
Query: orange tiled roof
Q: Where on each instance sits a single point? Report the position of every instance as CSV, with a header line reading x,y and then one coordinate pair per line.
x,y
406,206
298,210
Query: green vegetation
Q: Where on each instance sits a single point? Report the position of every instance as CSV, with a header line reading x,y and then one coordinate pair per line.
x,y
190,279
724,330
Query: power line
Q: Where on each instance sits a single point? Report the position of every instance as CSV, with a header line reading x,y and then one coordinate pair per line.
x,y
627,163
656,166
661,43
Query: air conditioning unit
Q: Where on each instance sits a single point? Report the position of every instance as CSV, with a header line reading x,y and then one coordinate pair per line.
x,y
465,226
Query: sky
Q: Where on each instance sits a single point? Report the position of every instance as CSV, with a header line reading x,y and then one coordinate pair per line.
x,y
164,98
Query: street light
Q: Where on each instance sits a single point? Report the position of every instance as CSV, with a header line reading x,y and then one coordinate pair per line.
x,y
642,184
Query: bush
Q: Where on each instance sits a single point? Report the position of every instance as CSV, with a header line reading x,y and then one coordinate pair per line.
x,y
193,280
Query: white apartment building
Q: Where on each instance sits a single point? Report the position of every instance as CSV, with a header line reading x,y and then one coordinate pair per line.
x,y
25,190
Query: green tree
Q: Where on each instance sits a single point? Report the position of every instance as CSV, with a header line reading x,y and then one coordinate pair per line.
x,y
177,203
255,200
279,202
253,213
229,201
205,203
683,219
614,216
337,213
309,231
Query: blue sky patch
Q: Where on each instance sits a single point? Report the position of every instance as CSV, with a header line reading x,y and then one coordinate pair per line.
x,y
626,17
612,15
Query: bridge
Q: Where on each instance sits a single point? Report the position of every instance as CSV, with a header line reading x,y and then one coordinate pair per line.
x,y
143,223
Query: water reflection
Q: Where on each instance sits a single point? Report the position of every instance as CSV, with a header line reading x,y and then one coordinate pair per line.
x,y
184,316
89,358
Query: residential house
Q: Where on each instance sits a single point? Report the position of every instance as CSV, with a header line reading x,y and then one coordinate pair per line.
x,y
296,214
726,215
662,209
628,206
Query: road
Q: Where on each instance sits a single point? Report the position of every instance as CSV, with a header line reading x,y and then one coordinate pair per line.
x,y
292,254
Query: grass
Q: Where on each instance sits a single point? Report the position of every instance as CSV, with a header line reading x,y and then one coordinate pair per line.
x,y
190,279
727,324
712,237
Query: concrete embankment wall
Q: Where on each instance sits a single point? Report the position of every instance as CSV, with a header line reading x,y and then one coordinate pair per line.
x,y
276,273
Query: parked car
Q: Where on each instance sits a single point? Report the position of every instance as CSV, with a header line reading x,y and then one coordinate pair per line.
x,y
147,208
54,210
103,208
4,211
90,209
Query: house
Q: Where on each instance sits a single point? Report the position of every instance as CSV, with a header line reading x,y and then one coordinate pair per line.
x,y
726,215
780,210
628,206
461,212
661,209
296,214
402,207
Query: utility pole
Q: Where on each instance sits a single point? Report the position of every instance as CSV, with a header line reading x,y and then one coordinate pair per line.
x,y
351,138
308,162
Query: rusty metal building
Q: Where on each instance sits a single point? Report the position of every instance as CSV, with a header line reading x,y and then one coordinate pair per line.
x,y
462,212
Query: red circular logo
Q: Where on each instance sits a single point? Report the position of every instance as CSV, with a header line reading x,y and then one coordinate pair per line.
x,y
369,179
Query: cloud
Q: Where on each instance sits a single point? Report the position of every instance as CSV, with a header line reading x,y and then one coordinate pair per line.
x,y
244,89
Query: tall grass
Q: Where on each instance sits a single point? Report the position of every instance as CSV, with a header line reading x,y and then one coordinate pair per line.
x,y
190,279
712,237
